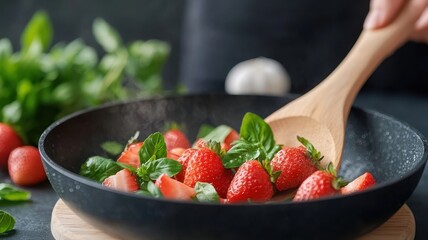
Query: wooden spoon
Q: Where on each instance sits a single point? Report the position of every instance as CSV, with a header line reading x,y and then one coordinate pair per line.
x,y
321,114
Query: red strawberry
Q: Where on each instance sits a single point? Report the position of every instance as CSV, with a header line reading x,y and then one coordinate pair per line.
x,y
184,160
173,189
223,183
362,182
123,180
131,155
175,153
25,166
295,164
200,143
175,138
321,183
9,140
233,136
250,183
205,165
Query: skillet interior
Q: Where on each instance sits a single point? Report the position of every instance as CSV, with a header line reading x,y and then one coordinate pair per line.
x,y
391,150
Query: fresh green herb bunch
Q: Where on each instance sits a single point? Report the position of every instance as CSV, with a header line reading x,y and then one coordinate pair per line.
x,y
40,83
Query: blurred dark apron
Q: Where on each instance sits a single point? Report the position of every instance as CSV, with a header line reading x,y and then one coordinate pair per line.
x,y
308,37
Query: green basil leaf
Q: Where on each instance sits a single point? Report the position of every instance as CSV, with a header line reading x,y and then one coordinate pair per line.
x,y
5,48
12,112
99,168
7,222
154,168
271,153
106,35
205,192
148,188
154,147
241,152
111,147
256,142
38,31
255,130
12,193
147,59
218,134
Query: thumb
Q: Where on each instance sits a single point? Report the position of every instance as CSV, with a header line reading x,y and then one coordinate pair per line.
x,y
382,12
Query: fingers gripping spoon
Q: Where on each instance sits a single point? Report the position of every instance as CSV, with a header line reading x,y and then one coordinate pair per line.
x,y
321,114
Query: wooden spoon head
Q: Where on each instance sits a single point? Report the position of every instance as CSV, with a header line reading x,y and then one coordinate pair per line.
x,y
287,129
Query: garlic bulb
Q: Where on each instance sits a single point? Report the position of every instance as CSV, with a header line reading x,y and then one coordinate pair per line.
x,y
258,76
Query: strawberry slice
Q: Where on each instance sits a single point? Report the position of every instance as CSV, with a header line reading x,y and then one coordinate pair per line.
x,y
184,160
173,189
175,138
130,155
175,153
123,180
364,181
230,138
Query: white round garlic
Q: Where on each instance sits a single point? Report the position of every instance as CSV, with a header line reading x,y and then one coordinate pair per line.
x,y
258,76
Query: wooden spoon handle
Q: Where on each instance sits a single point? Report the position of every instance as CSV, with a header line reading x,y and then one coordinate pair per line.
x,y
371,48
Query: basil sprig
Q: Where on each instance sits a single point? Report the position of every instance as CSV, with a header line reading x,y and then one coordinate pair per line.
x,y
257,142
153,159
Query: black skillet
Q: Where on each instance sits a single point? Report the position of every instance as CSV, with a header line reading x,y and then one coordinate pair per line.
x,y
394,152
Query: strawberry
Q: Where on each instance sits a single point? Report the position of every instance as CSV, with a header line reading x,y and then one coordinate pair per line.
x,y
175,153
200,143
250,183
9,140
25,166
205,165
226,144
123,180
131,155
184,160
173,189
230,138
295,164
223,183
321,183
175,138
362,182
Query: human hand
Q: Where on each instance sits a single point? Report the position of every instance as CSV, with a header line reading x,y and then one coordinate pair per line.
x,y
383,12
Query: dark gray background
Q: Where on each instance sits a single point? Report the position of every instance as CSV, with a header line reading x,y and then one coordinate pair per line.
x,y
209,37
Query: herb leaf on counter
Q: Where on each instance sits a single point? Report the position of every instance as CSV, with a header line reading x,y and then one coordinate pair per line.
x,y
11,193
7,222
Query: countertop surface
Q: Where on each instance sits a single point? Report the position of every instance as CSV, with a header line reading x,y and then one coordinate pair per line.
x,y
33,217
